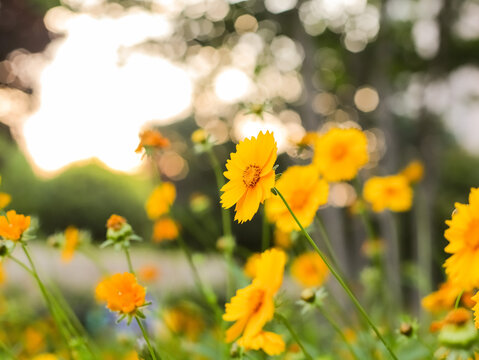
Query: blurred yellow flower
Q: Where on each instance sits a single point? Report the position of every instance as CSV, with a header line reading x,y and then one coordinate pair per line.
x,y
152,139
308,139
4,200
13,225
3,274
282,239
148,273
251,265
115,222
33,340
445,298
72,239
413,172
388,192
165,229
303,191
132,355
340,153
183,319
45,357
251,175
121,292
309,269
199,136
160,200
253,306
463,236
475,298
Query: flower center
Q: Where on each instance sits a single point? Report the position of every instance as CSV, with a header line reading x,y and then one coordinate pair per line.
x,y
472,233
251,175
391,191
257,300
338,152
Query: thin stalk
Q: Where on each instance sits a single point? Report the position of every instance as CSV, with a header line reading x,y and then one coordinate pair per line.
x,y
128,259
458,299
147,339
209,300
294,335
338,278
326,240
25,267
338,330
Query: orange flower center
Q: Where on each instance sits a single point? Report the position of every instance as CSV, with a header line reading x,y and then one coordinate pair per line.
x,y
251,175
339,151
390,191
257,299
472,233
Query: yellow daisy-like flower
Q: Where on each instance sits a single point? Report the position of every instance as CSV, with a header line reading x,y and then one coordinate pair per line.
x,y
160,200
445,298
72,239
4,200
165,229
183,319
251,265
388,192
340,153
309,270
251,175
303,191
253,306
282,239
414,171
463,236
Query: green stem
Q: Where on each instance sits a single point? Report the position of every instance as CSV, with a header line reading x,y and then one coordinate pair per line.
x,y
458,299
147,339
207,295
326,240
338,278
338,330
25,267
294,335
128,259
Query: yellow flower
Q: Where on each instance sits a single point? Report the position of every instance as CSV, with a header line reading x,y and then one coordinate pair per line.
x,y
253,306
121,292
251,175
414,171
251,265
13,225
183,319
445,298
45,357
4,200
463,236
3,274
308,139
165,229
388,192
475,298
160,200
282,239
199,136
340,153
152,139
132,355
72,239
303,191
34,340
309,270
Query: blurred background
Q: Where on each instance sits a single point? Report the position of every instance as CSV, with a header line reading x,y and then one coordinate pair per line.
x,y
79,79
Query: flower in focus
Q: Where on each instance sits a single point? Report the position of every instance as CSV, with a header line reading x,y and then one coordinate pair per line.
x,y
303,191
115,222
13,225
251,175
253,306
152,139
121,293
165,229
309,269
445,298
340,153
413,172
160,200
463,237
148,273
251,265
183,319
388,192
72,239
4,200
